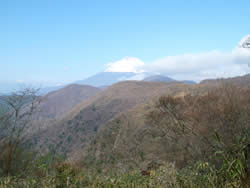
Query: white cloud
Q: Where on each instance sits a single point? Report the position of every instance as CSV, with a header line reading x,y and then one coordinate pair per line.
x,y
197,67
127,64
203,65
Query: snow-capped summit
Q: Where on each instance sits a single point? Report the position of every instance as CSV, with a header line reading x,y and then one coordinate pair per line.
x,y
127,64
245,42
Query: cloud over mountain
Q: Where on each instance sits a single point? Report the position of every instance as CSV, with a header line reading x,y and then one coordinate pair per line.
x,y
196,66
127,64
203,65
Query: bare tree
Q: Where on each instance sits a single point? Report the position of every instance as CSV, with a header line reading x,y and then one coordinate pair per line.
x,y
14,121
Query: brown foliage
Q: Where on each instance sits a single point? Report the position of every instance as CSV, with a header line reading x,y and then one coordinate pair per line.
x,y
190,123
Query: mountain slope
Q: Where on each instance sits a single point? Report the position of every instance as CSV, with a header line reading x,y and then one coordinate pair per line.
x,y
160,78
57,103
75,131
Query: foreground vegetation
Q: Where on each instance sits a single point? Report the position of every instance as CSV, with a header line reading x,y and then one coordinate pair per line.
x,y
200,175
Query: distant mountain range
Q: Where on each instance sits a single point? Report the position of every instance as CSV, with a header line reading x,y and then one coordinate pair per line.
x,y
105,79
159,78
109,78
100,80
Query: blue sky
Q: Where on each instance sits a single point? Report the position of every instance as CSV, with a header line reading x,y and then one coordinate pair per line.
x,y
61,41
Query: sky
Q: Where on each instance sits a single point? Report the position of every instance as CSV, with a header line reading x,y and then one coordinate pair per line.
x,y
60,41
